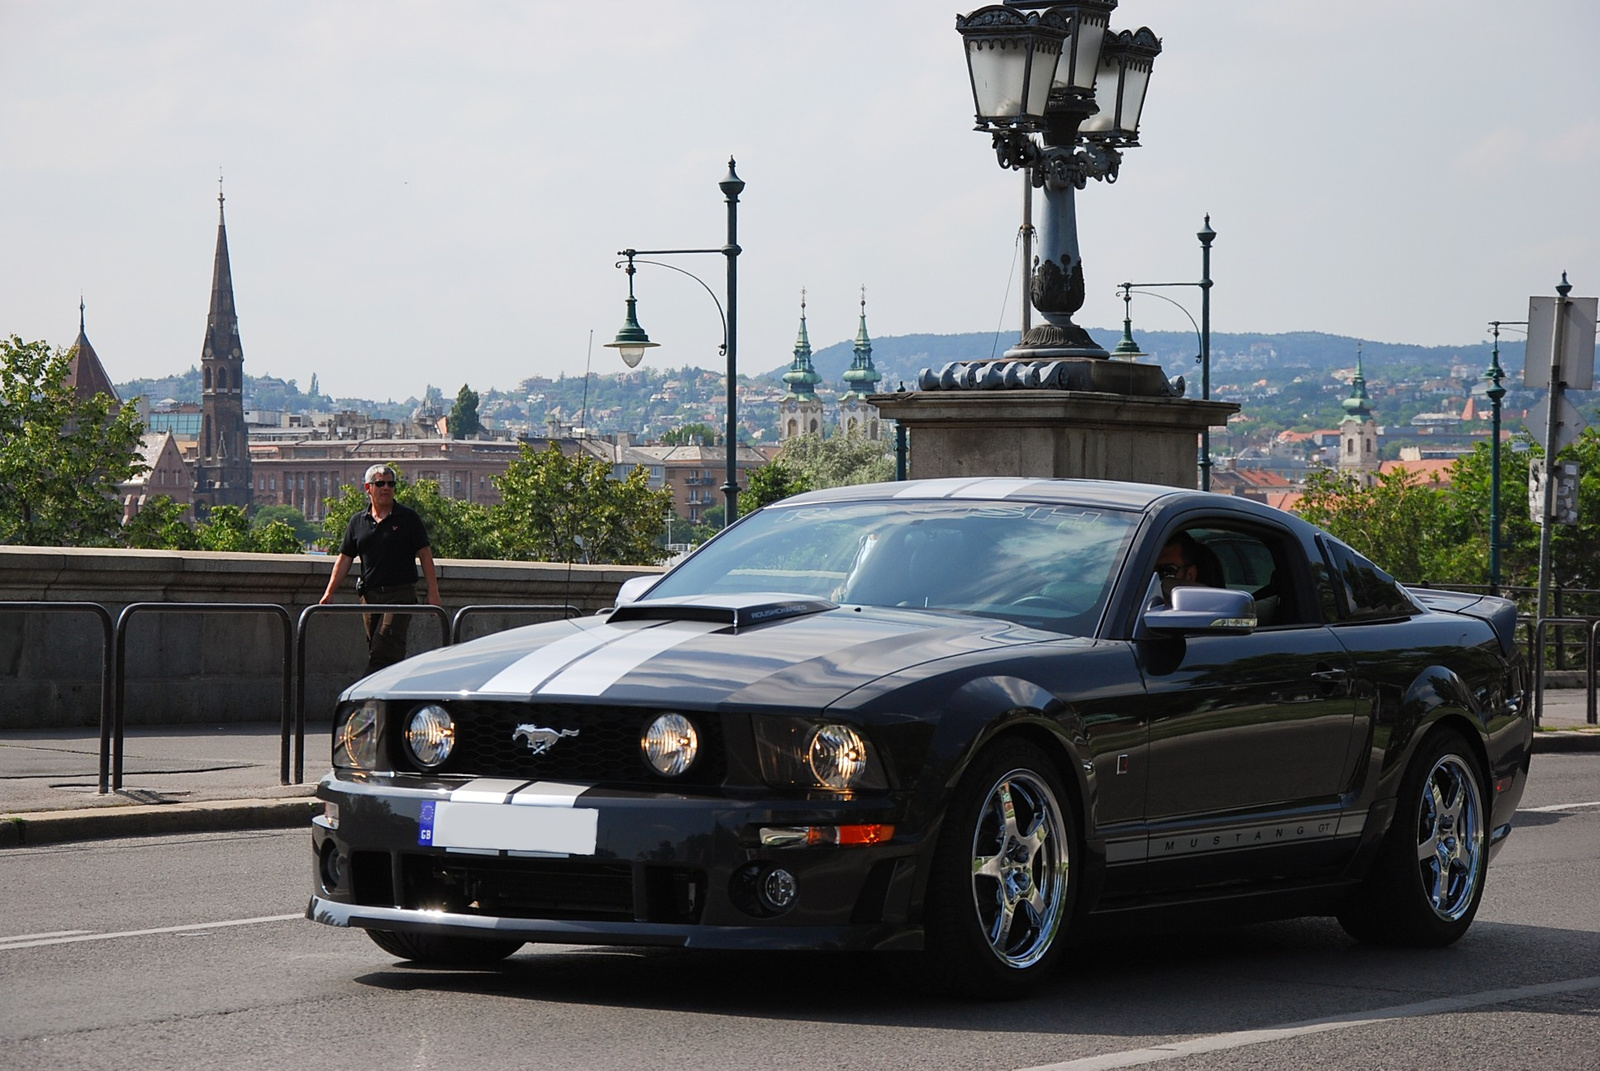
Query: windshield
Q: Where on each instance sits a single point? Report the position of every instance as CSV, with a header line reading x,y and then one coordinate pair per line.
x,y
1037,564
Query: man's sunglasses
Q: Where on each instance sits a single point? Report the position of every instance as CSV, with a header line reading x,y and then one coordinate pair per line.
x,y
382,483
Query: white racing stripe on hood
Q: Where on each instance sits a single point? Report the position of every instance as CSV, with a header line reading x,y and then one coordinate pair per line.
x,y
527,673
599,670
487,790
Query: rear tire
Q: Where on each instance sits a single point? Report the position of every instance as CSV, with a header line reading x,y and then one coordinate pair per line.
x,y
1425,886
437,950
1003,880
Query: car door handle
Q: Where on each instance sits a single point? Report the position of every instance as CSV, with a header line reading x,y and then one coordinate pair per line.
x,y
1329,675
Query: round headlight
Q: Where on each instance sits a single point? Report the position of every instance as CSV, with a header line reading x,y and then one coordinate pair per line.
x,y
837,755
358,737
430,735
670,744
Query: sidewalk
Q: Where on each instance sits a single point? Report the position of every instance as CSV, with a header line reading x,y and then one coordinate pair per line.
x,y
185,779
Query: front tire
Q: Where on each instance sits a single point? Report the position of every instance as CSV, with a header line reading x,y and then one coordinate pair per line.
x,y
1003,880
1426,884
439,951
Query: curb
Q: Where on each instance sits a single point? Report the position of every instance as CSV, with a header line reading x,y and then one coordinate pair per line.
x,y
1566,741
57,827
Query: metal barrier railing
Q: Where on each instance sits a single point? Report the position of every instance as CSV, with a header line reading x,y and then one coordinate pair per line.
x,y
120,663
106,708
456,623
1536,662
300,666
292,713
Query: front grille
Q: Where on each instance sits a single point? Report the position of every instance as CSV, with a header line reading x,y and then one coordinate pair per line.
x,y
519,888
560,889
605,749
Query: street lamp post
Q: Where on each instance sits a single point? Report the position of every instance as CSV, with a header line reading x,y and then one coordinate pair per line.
x,y
1060,94
631,341
1202,333
1497,393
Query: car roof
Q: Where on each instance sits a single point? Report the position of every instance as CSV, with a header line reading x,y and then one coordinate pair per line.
x,y
1109,494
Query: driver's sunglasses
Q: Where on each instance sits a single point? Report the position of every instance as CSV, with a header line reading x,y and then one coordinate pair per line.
x,y
383,483
1168,572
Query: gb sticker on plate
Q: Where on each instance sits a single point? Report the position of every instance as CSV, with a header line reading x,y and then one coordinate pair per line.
x,y
425,824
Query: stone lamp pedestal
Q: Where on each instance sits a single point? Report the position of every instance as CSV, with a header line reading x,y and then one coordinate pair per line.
x,y
1099,433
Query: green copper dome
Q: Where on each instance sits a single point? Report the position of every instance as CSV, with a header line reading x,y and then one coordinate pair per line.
x,y
802,378
861,377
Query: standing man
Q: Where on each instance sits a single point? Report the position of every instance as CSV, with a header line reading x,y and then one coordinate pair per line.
x,y
389,539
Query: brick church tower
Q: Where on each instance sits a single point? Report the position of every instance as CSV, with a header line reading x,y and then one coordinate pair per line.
x,y
222,471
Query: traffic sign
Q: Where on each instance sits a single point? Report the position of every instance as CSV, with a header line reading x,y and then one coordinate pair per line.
x,y
1569,425
1577,344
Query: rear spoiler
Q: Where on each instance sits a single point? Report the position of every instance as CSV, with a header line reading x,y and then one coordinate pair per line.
x,y
1499,614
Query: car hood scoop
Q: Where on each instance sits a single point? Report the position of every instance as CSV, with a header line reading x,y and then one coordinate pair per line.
x,y
737,611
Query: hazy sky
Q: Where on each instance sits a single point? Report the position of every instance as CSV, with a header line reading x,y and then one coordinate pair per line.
x,y
434,192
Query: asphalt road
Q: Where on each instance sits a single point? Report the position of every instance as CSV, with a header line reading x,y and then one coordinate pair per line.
x,y
189,952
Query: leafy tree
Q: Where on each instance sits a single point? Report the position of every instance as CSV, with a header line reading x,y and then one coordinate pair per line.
x,y
1397,522
690,434
1441,533
159,525
225,528
303,530
838,461
61,459
463,419
456,528
558,508
770,483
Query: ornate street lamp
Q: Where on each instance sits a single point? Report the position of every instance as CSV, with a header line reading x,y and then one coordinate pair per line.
x,y
1065,136
631,341
1497,393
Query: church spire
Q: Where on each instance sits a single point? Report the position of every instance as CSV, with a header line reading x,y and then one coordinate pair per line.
x,y
222,475
1355,406
862,377
801,377
85,374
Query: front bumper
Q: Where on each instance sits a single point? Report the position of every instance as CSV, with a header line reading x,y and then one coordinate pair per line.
x,y
407,853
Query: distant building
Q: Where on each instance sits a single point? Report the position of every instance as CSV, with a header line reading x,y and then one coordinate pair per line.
x,y
856,415
166,474
306,472
695,474
800,411
1358,432
222,468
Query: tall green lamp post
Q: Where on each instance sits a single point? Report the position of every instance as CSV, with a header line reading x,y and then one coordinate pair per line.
x,y
1497,393
632,341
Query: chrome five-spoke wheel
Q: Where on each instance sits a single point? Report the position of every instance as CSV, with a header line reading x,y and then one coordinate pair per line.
x,y
1001,894
1019,868
1450,837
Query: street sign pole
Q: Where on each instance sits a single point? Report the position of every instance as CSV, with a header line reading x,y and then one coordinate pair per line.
x,y
1551,426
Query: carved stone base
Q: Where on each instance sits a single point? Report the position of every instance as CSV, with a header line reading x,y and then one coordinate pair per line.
x,y
1054,433
1078,373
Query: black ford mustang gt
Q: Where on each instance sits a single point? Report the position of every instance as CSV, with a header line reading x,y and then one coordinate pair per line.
x,y
966,717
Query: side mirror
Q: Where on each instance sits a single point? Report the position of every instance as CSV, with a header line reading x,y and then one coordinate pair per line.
x,y
1201,609
634,589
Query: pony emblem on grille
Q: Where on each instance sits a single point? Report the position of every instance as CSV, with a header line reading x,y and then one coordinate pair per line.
x,y
540,739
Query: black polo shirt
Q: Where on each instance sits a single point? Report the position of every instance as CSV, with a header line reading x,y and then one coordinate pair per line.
x,y
387,549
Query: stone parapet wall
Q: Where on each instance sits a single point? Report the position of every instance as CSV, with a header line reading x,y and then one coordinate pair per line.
x,y
199,668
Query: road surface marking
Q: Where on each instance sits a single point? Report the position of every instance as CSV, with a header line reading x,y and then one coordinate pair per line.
x,y
1240,1038
1549,807
73,937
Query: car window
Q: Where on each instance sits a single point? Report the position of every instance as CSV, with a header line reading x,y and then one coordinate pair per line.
x,y
1261,562
1366,593
1049,565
